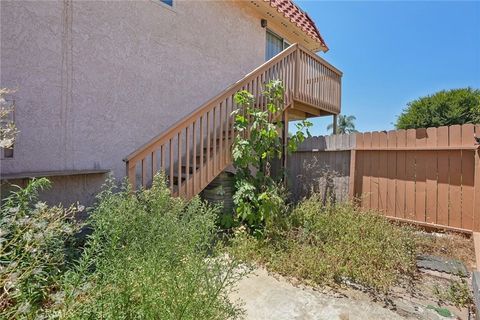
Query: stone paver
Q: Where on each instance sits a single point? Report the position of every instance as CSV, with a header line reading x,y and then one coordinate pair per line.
x,y
440,264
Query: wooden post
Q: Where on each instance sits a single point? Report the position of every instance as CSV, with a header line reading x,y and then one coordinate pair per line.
x,y
131,167
334,124
476,185
285,146
351,184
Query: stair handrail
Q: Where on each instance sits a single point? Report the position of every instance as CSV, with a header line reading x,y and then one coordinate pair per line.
x,y
207,106
197,150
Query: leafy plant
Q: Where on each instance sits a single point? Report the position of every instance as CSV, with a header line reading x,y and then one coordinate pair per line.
x,y
258,141
444,108
444,312
34,243
151,256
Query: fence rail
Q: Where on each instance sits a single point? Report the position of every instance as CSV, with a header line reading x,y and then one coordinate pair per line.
x,y
427,176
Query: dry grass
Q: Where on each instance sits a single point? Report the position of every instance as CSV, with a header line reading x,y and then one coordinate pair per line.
x,y
331,244
449,245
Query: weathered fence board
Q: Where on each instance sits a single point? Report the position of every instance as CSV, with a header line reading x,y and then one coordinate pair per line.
x,y
401,174
429,176
468,174
322,165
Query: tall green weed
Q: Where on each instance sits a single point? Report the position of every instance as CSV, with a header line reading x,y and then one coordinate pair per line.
x,y
151,256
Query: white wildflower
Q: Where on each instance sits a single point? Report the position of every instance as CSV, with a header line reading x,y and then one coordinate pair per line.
x,y
37,271
14,210
24,308
58,298
39,236
40,205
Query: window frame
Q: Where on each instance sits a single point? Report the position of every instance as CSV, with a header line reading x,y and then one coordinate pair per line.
x,y
285,43
166,6
165,3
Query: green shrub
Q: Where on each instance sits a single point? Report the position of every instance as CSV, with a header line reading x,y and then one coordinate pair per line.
x,y
35,243
444,108
327,244
150,256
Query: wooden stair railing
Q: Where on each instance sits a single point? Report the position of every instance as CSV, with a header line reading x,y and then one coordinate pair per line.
x,y
196,149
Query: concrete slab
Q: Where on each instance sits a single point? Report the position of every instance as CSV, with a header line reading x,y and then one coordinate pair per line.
x,y
476,292
476,243
266,297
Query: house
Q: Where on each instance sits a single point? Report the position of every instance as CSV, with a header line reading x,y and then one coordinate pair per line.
x,y
133,87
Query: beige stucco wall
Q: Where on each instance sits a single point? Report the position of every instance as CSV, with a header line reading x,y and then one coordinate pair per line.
x,y
65,190
97,79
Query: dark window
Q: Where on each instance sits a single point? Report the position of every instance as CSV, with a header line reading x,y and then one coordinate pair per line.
x,y
169,2
8,153
275,45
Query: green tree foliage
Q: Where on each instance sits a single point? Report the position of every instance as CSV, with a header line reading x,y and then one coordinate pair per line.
x,y
444,108
345,124
256,143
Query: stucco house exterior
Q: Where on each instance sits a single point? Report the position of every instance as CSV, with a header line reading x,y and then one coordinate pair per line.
x,y
99,82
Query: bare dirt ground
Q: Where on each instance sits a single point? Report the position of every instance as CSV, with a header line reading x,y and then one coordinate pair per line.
x,y
449,245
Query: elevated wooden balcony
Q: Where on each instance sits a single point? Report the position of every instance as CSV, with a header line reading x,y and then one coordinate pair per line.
x,y
196,149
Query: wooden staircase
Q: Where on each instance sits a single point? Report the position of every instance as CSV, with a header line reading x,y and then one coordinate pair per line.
x,y
196,149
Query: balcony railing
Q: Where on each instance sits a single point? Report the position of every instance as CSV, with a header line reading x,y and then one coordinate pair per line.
x,y
196,149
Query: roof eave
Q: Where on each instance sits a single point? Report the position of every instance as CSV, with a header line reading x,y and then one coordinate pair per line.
x,y
318,39
322,48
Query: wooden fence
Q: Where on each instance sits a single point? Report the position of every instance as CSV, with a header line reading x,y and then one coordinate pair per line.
x,y
322,165
427,176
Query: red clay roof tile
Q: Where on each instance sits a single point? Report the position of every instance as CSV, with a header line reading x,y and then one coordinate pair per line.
x,y
297,16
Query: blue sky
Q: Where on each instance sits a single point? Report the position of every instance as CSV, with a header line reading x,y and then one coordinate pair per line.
x,y
392,52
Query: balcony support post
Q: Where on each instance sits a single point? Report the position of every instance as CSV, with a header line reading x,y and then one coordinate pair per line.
x,y
285,146
334,124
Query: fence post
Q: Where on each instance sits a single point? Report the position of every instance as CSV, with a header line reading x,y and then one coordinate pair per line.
x,y
352,145
476,186
476,182
351,184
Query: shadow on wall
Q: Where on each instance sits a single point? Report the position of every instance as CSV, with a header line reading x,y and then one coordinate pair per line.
x,y
65,190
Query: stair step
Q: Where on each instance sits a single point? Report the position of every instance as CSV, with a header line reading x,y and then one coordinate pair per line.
x,y
175,178
218,139
190,168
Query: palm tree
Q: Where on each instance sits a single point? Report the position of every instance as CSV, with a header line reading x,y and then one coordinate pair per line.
x,y
345,124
